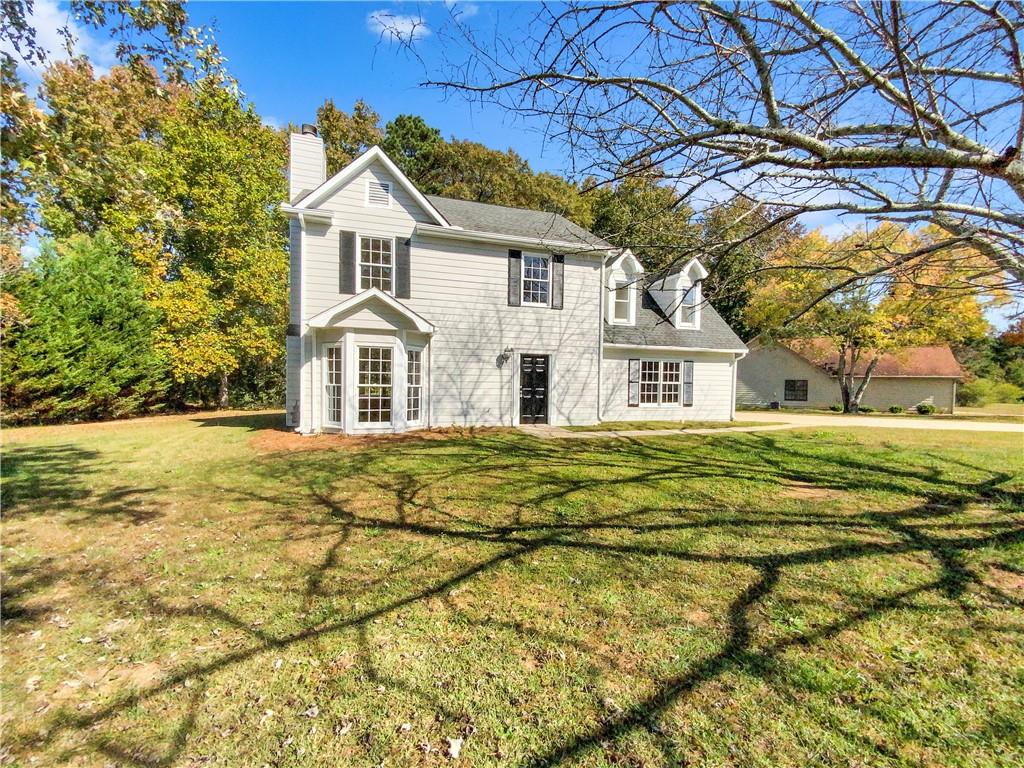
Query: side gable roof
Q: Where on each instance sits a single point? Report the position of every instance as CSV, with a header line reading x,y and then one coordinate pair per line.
x,y
932,361
515,222
315,198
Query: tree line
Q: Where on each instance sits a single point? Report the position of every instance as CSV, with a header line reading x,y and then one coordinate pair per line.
x,y
161,281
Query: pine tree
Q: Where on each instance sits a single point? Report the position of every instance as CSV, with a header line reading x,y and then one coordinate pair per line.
x,y
86,347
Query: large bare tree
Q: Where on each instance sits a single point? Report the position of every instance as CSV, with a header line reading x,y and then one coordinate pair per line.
x,y
878,110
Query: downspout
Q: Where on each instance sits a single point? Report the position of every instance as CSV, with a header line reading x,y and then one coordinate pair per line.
x,y
302,320
735,367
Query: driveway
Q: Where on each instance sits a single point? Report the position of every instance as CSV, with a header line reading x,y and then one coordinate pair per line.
x,y
793,419
774,420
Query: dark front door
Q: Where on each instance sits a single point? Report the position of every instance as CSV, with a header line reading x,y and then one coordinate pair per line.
x,y
533,389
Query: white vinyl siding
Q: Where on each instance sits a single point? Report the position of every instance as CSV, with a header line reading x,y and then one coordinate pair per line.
x,y
710,388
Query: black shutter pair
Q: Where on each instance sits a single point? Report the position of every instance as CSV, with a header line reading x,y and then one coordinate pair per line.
x,y
348,266
515,279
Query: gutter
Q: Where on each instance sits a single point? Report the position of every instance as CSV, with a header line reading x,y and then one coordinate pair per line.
x,y
665,348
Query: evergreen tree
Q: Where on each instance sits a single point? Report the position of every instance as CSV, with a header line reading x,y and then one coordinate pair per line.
x,y
86,347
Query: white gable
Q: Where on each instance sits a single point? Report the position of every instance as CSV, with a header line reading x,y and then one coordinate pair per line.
x,y
375,167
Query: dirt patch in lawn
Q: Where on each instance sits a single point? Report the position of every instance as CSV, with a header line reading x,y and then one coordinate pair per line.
x,y
806,491
285,441
1006,579
106,680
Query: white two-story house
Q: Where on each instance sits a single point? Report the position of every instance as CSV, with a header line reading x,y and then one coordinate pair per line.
x,y
411,311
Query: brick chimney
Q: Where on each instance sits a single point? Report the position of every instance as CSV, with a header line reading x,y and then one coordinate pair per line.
x,y
307,163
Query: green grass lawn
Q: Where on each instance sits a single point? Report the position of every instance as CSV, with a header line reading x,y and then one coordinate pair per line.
x,y
1006,413
205,591
623,426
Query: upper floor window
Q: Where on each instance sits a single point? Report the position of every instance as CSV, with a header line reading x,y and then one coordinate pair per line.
x,y
376,263
689,308
536,279
622,302
378,193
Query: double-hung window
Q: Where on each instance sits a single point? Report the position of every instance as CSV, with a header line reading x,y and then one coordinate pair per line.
x,y
375,385
376,263
661,382
621,308
334,385
536,279
689,308
414,386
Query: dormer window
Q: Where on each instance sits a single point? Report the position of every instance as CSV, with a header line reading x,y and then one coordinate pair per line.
x,y
378,193
691,300
621,314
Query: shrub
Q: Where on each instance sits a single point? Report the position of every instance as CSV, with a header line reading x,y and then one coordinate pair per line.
x,y
896,409
836,407
865,409
983,391
86,349
925,409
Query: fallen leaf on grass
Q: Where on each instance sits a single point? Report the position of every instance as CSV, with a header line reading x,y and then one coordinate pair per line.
x,y
454,748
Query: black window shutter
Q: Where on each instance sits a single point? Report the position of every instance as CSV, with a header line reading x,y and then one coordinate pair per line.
x,y
347,263
515,277
634,383
557,280
688,382
402,269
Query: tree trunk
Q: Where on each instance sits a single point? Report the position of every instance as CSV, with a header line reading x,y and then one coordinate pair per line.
x,y
859,394
222,391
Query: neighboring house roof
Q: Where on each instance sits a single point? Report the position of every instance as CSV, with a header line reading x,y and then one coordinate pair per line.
x,y
654,329
516,222
935,361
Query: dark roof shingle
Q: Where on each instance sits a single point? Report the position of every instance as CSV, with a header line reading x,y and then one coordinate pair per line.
x,y
654,329
517,222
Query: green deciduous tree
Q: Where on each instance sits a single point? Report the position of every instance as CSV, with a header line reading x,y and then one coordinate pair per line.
x,y
640,214
347,135
221,276
86,349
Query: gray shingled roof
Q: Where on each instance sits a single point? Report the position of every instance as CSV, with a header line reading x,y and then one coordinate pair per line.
x,y
518,222
654,329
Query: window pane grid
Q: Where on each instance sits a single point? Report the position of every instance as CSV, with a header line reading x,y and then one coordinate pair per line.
x,y
662,382
374,385
796,389
536,279
375,263
335,391
415,385
622,302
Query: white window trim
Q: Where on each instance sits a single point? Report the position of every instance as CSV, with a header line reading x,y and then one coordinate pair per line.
x,y
661,381
698,299
423,387
366,193
617,283
359,261
522,281
374,424
324,377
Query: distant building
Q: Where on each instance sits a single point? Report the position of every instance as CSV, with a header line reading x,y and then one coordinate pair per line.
x,y
801,373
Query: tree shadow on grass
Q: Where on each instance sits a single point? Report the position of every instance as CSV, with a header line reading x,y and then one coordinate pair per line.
x,y
549,496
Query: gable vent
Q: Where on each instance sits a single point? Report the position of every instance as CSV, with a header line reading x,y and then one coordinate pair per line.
x,y
378,193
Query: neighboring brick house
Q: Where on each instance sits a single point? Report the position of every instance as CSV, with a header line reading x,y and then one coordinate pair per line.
x,y
801,374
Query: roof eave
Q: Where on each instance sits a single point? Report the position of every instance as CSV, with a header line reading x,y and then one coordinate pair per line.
x,y
562,246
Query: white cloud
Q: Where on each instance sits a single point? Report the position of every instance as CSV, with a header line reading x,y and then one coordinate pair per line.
x,y
463,10
397,28
48,19
272,122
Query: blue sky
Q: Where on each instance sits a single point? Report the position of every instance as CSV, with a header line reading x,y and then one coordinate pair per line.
x,y
289,57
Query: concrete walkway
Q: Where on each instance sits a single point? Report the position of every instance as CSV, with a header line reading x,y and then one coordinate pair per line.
x,y
775,420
